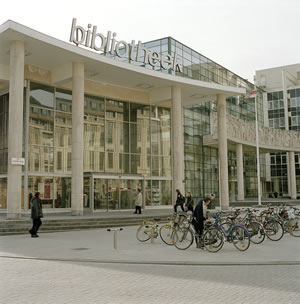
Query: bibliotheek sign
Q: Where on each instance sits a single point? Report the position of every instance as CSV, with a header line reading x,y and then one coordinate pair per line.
x,y
98,42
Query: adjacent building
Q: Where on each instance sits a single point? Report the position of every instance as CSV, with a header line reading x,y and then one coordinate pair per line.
x,y
281,97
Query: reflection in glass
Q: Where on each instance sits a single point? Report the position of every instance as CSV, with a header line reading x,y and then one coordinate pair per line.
x,y
44,185
63,100
117,110
117,136
41,125
62,196
3,161
41,95
101,194
139,112
41,159
3,193
94,108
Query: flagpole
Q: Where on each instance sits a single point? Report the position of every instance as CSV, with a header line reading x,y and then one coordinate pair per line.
x,y
257,152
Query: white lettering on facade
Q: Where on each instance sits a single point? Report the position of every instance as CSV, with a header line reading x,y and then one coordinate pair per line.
x,y
109,44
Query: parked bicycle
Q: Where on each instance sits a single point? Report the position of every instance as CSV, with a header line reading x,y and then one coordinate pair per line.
x,y
211,239
237,234
167,231
148,230
290,218
255,228
272,225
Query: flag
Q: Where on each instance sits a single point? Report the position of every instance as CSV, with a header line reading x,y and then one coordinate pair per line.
x,y
251,94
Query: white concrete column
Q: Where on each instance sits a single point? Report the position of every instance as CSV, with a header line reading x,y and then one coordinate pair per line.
x,y
292,175
222,146
177,143
15,129
77,137
240,172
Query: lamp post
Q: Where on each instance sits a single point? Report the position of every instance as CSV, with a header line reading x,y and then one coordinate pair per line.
x,y
257,151
251,95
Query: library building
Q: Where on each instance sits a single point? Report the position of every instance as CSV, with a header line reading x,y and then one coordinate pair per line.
x,y
89,120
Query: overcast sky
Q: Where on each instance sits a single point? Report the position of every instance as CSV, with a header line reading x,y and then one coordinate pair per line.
x,y
242,35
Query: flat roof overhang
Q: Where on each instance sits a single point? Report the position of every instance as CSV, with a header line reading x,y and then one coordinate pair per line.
x,y
50,53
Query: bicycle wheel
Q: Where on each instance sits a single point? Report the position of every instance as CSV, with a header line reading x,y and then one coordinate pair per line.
x,y
274,230
213,240
183,238
256,231
295,229
240,238
166,233
143,233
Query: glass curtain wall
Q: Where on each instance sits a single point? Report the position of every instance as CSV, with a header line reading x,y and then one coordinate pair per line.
x,y
50,136
276,118
201,163
119,138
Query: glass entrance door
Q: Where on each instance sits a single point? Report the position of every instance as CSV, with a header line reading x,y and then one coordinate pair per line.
x,y
128,193
101,194
115,194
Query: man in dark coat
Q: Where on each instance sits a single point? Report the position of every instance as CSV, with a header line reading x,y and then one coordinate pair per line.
x,y
179,201
36,215
199,216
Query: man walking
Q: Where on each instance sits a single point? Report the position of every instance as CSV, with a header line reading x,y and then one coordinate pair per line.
x,y
36,215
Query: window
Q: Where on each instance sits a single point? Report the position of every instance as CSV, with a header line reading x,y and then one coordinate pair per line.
x,y
110,160
59,160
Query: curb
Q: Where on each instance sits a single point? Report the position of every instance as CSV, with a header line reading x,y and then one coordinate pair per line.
x,y
166,263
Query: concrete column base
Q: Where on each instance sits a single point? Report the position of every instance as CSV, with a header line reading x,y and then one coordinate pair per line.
x,y
77,213
13,216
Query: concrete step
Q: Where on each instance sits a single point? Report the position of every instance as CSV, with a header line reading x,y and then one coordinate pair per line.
x,y
75,221
22,227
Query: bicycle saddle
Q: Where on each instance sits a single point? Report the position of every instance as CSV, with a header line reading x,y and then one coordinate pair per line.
x,y
231,217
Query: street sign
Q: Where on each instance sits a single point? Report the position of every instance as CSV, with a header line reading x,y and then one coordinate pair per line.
x,y
18,161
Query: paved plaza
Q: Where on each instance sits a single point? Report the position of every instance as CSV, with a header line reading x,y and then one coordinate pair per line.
x,y
83,267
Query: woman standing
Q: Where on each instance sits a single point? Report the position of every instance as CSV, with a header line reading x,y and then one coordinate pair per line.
x,y
189,205
36,215
138,202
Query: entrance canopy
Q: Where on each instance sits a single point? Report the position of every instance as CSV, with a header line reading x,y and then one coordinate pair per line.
x,y
57,56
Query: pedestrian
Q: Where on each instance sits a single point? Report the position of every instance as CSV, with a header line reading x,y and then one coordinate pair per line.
x,y
138,202
30,197
36,215
199,216
179,201
189,205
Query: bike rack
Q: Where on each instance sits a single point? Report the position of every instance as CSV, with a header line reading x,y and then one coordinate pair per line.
x,y
115,230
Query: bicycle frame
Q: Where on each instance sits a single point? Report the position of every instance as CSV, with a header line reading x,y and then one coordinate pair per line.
x,y
227,234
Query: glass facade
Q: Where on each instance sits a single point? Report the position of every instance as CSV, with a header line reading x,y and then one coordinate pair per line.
x,y
120,138
201,162
276,118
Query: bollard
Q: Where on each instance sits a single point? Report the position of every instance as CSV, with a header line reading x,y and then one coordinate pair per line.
x,y
152,235
115,230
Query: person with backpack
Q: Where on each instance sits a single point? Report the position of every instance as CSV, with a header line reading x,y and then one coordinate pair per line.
x,y
179,201
36,215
